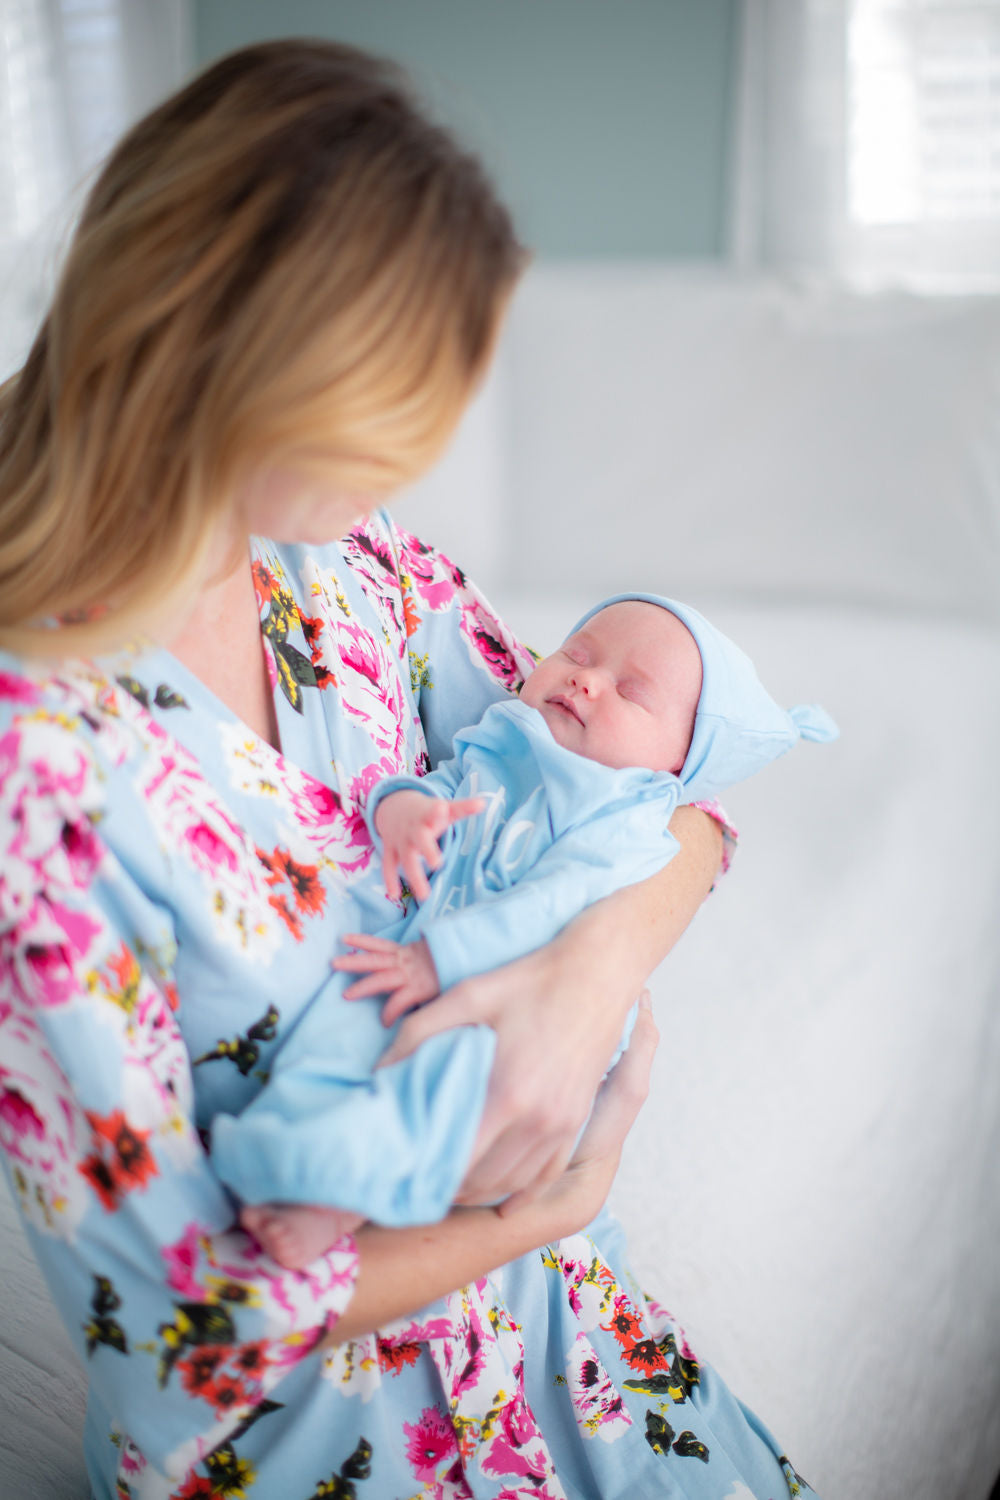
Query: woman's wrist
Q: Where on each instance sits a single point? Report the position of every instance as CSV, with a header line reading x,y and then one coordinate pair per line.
x,y
401,1271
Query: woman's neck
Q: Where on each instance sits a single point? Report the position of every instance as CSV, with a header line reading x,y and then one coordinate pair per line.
x,y
220,642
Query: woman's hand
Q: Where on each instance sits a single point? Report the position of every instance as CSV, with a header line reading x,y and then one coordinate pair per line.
x,y
558,1015
402,1270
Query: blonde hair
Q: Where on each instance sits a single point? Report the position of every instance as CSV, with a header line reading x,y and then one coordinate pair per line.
x,y
286,261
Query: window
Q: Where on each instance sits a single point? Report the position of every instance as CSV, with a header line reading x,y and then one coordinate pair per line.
x,y
876,152
73,73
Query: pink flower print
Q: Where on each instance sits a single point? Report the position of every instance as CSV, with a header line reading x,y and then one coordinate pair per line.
x,y
600,1410
208,850
359,651
41,956
17,689
518,1421
18,1118
82,849
492,644
536,1492
434,576
181,1258
431,1442
320,800
372,691
503,1457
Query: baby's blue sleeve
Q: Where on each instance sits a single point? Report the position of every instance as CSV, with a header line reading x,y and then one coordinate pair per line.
x,y
620,846
392,1144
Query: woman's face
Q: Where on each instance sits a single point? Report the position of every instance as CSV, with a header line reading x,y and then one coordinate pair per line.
x,y
287,505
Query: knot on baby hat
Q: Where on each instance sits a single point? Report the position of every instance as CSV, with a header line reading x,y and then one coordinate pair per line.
x,y
738,727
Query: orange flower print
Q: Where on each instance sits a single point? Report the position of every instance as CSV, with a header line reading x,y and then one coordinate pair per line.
x,y
396,1357
624,1323
264,583
121,1160
310,897
199,1369
307,891
311,627
646,1355
410,612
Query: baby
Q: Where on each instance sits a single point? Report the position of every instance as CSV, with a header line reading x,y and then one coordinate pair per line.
x,y
564,795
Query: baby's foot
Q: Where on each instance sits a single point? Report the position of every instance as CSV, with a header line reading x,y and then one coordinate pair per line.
x,y
294,1234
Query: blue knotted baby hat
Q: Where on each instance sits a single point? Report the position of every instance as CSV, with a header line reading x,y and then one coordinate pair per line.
x,y
738,727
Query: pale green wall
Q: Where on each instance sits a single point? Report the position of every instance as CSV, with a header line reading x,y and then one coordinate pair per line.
x,y
605,121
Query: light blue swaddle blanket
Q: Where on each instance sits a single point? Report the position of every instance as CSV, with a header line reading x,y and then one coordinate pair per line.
x,y
558,833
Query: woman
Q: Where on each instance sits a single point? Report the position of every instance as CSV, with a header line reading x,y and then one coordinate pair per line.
x,y
284,287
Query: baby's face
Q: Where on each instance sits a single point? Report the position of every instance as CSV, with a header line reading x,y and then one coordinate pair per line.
x,y
624,689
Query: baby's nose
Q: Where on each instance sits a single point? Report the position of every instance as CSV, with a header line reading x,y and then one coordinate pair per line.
x,y
586,680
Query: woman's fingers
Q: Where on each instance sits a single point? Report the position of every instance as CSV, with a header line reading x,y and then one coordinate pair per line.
x,y
450,1009
549,1172
506,1166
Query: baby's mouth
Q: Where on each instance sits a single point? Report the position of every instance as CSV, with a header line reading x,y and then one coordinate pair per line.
x,y
564,703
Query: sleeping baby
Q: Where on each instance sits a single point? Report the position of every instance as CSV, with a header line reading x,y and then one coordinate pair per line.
x,y
552,801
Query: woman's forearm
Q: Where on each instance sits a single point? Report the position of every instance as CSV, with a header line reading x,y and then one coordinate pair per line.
x,y
625,936
402,1270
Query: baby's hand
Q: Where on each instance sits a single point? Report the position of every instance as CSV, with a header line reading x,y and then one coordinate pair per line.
x,y
409,825
404,972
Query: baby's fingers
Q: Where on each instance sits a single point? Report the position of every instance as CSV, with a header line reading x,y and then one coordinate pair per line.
x,y
467,807
405,998
369,943
380,982
390,873
363,963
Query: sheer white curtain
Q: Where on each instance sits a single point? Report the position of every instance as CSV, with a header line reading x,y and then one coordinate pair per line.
x,y
73,74
868,140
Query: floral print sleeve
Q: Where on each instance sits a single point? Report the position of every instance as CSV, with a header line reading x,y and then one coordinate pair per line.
x,y
187,1331
452,629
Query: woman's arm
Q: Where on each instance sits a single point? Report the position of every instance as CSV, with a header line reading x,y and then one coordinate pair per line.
x,y
558,1014
401,1270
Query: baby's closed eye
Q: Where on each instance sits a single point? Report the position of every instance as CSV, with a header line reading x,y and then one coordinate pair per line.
x,y
635,692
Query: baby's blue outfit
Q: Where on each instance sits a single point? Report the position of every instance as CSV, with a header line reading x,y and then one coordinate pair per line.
x,y
558,832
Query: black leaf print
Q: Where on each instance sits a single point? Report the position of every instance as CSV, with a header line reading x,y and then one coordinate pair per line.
x,y
167,697
688,1446
659,1433
135,689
